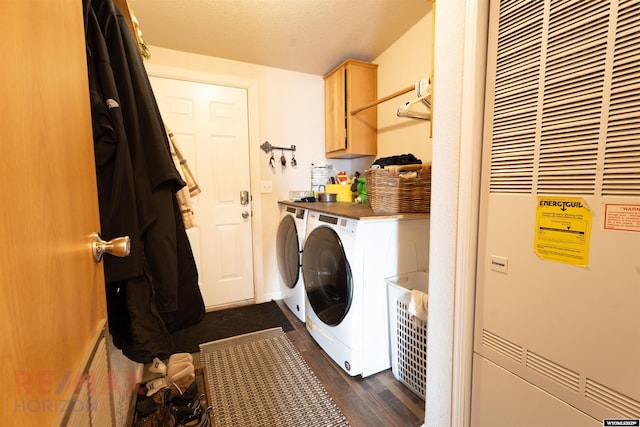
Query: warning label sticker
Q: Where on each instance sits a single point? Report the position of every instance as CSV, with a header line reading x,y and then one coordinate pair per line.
x,y
563,230
623,217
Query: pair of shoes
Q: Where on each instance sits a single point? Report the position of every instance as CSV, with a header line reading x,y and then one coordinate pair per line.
x,y
179,376
177,371
203,420
162,417
189,398
159,367
188,413
186,398
146,407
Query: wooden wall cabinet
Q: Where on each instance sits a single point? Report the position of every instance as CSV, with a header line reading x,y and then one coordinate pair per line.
x,y
347,87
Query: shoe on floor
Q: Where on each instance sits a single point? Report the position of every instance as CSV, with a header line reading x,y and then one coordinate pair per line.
x,y
179,375
179,358
203,421
162,417
158,367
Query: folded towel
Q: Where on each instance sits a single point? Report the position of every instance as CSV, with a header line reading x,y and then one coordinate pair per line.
x,y
418,305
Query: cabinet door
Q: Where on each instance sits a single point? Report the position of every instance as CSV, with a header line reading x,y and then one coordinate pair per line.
x,y
362,127
335,111
349,86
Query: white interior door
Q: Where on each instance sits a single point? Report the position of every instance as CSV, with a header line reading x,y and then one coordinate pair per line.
x,y
210,124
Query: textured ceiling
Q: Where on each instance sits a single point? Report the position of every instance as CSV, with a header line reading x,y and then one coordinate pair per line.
x,y
310,36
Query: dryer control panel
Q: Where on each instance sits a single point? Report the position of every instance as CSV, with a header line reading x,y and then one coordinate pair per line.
x,y
343,224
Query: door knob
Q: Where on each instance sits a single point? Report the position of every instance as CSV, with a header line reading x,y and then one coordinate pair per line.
x,y
245,214
120,247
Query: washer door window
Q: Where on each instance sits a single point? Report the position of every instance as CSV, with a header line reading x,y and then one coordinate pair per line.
x,y
288,251
327,275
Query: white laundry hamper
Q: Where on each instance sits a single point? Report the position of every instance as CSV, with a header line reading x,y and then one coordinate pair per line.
x,y
408,333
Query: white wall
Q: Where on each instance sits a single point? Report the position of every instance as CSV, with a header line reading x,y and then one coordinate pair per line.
x,y
460,54
404,63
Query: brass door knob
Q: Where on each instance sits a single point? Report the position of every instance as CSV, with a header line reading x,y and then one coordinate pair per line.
x,y
120,246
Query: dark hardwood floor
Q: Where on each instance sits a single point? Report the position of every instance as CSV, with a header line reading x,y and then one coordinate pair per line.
x,y
377,400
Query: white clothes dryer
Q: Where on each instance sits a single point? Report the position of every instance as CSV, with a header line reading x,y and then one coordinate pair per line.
x,y
344,265
289,240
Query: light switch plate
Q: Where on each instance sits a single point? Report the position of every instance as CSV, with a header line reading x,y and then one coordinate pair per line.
x,y
500,264
266,187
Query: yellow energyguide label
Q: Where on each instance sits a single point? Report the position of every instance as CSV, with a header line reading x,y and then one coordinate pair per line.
x,y
563,230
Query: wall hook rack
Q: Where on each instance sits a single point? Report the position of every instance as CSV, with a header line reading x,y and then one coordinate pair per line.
x,y
268,147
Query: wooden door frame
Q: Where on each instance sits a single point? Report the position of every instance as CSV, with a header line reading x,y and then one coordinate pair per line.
x,y
251,86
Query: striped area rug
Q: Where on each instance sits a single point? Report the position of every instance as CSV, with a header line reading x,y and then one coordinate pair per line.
x,y
260,379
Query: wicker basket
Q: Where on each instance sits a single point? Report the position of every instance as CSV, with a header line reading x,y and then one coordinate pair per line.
x,y
387,192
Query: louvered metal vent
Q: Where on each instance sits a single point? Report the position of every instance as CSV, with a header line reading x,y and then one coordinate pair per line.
x,y
516,96
92,401
622,152
553,371
502,345
573,87
575,381
618,402
566,117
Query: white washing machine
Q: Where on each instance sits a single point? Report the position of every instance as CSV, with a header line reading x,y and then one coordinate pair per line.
x,y
344,265
289,240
